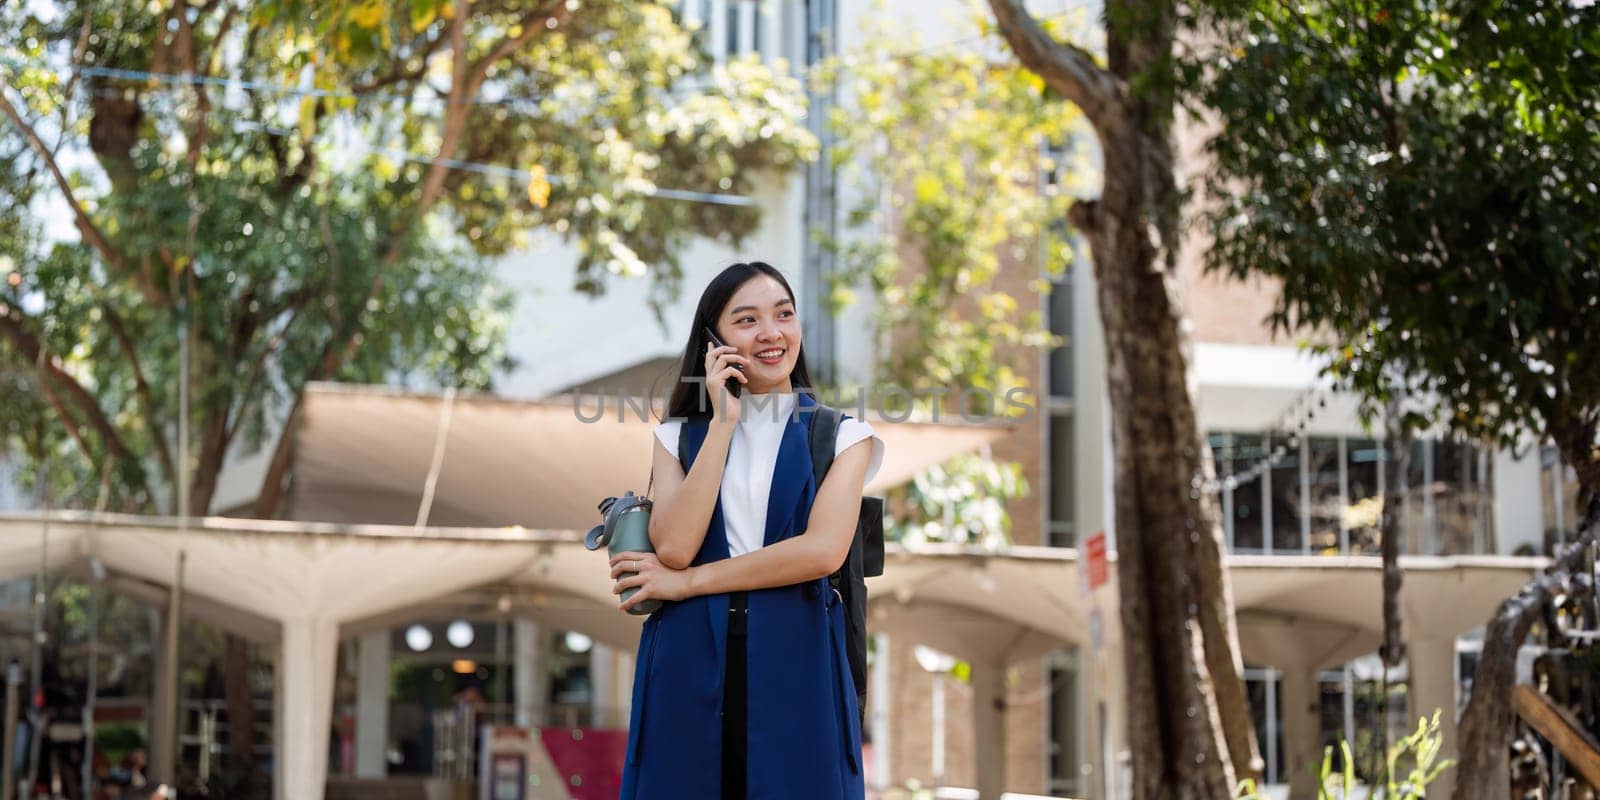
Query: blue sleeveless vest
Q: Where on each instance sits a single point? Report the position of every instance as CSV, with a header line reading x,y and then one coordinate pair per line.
x,y
803,728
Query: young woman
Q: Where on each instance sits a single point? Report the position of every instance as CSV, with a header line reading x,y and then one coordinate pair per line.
x,y
742,687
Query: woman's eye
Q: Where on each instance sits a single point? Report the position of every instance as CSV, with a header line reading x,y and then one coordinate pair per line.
x,y
747,319
786,314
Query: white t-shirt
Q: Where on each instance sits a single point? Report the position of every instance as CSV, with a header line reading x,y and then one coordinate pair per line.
x,y
752,457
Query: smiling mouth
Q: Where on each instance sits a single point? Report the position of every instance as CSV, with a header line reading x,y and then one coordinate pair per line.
x,y
771,356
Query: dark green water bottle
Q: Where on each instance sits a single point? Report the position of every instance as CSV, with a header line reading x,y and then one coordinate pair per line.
x,y
626,529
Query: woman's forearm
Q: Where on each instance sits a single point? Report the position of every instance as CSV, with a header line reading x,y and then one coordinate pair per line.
x,y
678,526
794,560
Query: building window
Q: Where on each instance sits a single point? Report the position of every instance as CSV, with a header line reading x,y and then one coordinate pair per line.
x,y
1286,505
1264,688
1327,495
1459,492
1558,488
726,29
1363,509
1324,495
1416,514
1062,529
1060,433
1243,511
1061,680
1351,707
1060,313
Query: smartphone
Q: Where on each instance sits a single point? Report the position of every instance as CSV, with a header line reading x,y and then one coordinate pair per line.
x,y
733,386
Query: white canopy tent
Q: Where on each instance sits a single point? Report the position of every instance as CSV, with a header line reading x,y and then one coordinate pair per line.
x,y
307,579
363,454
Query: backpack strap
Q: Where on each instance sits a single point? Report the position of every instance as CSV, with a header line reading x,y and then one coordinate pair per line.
x,y
824,436
824,439
683,449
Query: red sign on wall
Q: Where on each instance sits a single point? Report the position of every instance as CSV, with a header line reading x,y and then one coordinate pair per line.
x,y
1094,559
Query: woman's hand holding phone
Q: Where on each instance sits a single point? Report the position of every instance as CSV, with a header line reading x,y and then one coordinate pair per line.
x,y
724,364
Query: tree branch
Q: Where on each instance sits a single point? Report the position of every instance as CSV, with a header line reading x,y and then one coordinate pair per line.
x,y
1068,69
397,71
258,368
78,51
30,348
91,233
466,78
73,430
457,104
270,495
141,388
531,23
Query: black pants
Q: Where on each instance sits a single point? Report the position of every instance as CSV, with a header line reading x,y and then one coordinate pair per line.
x,y
734,711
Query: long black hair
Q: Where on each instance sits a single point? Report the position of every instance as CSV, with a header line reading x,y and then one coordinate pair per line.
x,y
690,398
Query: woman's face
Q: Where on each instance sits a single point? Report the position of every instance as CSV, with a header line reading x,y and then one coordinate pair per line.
x,y
762,323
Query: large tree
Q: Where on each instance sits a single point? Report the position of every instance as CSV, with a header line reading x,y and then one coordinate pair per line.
x,y
1420,178
1188,719
941,153
315,191
342,229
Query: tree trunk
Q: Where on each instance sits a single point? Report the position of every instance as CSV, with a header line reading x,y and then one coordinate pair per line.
x,y
1393,648
1177,623
1189,722
1486,725
241,709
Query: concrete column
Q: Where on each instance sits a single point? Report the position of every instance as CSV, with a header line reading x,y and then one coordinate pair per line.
x,y
1432,665
372,705
746,34
1092,457
603,684
163,702
1302,731
878,713
1094,704
305,705
278,737
771,29
531,684
989,727
717,31
1104,719
624,703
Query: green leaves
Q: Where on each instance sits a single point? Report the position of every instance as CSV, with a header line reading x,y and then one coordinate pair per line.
x,y
945,154
962,502
1421,179
347,232
1412,764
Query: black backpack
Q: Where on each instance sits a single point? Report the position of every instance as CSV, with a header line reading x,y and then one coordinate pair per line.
x,y
865,559
866,551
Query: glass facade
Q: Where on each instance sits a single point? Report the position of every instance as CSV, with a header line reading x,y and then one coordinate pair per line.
x,y
1063,752
1060,522
1354,704
1326,496
1558,489
1061,531
1061,678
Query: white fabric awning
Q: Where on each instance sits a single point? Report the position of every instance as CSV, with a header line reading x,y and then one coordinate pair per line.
x,y
362,455
303,582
